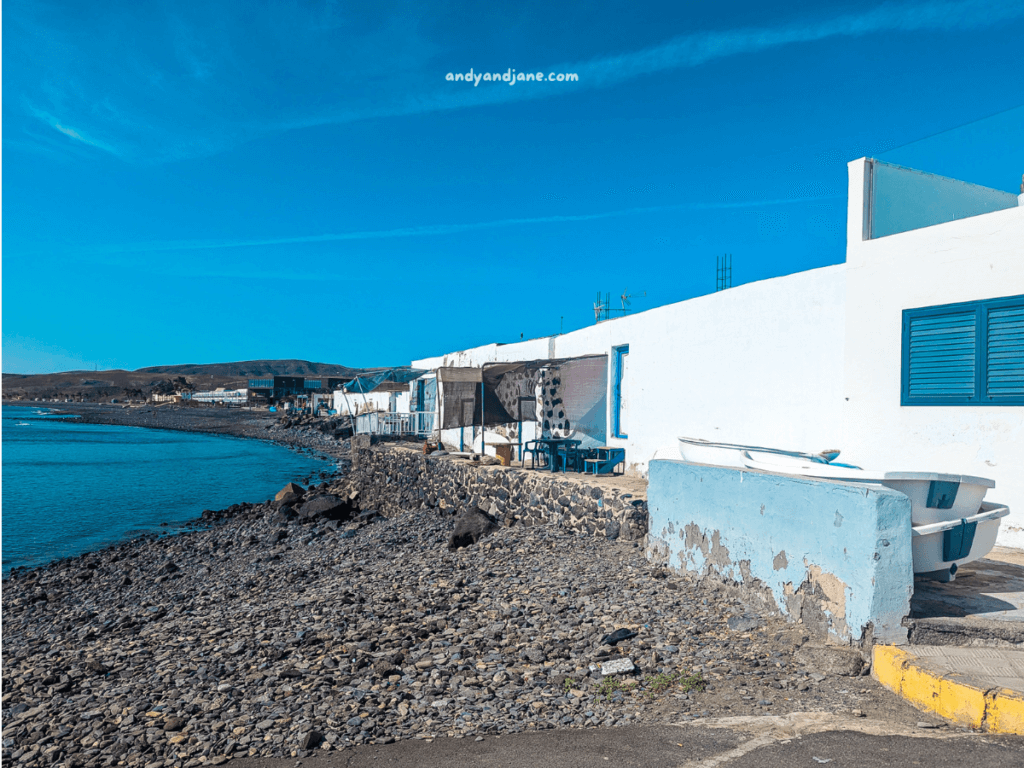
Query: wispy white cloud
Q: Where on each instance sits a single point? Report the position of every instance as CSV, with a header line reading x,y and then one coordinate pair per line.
x,y
206,82
70,132
700,48
441,229
688,51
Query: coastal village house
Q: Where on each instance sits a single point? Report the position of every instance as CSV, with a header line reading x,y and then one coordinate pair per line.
x,y
909,356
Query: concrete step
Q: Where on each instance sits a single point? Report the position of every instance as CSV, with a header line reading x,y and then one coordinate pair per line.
x,y
983,606
982,688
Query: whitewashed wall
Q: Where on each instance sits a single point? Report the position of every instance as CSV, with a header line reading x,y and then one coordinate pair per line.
x,y
812,361
531,349
760,363
753,364
977,258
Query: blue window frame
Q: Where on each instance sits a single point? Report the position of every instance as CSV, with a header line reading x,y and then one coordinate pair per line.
x,y
619,353
964,354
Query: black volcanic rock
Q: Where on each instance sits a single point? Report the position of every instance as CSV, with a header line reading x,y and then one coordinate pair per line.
x,y
328,507
471,526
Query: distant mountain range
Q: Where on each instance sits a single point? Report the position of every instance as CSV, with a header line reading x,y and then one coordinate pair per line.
x,y
164,379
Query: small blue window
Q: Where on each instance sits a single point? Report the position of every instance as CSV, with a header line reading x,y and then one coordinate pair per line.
x,y
619,409
964,354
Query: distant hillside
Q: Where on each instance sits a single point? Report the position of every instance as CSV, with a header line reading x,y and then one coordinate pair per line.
x,y
254,368
163,379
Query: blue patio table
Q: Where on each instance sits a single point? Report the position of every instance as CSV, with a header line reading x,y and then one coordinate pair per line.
x,y
607,459
554,446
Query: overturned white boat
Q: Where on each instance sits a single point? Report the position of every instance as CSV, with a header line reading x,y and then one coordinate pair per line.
x,y
934,496
950,522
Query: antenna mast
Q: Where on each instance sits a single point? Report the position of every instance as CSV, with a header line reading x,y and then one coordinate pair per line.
x,y
603,307
723,272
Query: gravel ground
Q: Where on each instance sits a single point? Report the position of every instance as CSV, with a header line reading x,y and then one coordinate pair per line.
x,y
267,635
258,633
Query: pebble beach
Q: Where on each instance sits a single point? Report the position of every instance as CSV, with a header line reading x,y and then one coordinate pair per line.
x,y
280,628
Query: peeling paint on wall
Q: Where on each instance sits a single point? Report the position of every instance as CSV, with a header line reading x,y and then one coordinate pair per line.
x,y
792,559
834,591
695,538
719,552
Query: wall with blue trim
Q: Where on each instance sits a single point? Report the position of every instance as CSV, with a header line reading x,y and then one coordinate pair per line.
x,y
835,555
972,259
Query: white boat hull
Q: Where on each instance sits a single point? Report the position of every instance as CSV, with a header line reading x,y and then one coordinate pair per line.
x,y
930,545
950,522
934,496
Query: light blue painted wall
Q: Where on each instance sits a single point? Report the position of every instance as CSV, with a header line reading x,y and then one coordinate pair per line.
x,y
851,540
903,199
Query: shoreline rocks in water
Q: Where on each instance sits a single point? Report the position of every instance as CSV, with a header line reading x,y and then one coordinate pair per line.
x,y
304,433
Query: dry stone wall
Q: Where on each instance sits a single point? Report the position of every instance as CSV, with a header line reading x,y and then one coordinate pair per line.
x,y
392,480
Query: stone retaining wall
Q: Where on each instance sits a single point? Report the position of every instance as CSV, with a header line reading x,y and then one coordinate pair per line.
x,y
392,480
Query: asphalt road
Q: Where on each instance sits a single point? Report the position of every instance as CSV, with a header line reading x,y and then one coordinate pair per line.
x,y
740,743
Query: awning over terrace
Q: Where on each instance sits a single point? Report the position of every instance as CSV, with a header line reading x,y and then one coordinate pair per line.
x,y
564,396
391,380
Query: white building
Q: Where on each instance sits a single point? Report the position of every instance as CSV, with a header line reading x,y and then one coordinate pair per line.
x,y
356,403
822,359
223,396
175,398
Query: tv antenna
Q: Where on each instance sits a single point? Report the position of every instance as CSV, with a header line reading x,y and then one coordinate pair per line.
x,y
603,306
625,297
723,272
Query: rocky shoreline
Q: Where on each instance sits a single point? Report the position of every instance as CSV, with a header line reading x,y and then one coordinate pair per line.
x,y
316,434
311,622
273,633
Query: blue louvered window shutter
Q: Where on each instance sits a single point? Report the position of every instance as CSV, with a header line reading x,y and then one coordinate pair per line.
x,y
943,356
1004,353
964,354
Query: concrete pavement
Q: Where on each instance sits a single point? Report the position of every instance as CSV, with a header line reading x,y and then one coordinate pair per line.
x,y
964,685
965,660
798,739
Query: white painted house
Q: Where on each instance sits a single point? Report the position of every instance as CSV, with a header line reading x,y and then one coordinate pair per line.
x,y
821,359
355,403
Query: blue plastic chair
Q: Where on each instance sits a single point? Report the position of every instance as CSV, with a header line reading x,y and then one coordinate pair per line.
x,y
531,447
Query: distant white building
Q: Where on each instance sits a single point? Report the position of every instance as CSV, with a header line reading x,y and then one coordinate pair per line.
x,y
155,398
223,396
910,356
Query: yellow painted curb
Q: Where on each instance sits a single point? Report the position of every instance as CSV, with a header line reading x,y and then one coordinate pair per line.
x,y
950,695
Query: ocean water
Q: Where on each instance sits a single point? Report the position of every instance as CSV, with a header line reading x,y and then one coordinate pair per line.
x,y
70,488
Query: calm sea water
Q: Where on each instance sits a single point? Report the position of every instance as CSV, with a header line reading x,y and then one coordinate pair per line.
x,y
70,488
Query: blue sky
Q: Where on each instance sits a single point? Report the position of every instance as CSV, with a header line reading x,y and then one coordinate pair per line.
x,y
202,182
